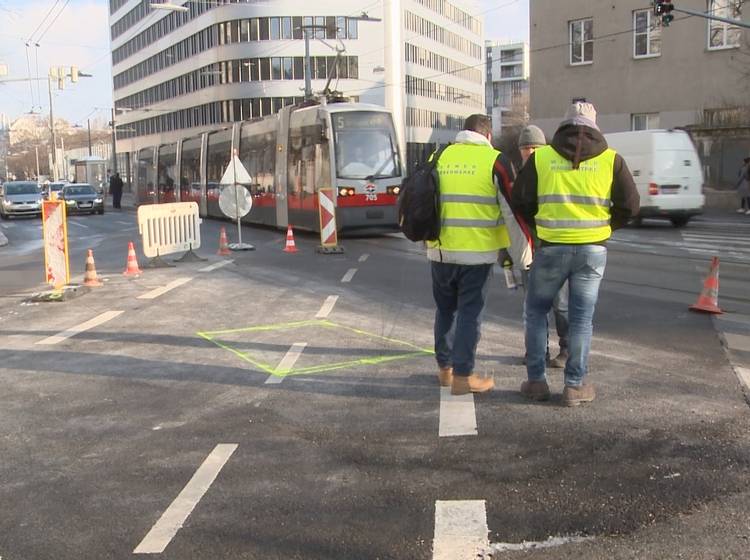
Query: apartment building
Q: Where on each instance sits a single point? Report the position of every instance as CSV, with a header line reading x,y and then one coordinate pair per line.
x,y
177,73
507,83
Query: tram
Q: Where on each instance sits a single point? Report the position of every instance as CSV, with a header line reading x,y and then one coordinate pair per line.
x,y
350,147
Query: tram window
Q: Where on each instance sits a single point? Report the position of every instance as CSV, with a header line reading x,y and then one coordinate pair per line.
x,y
365,145
263,28
166,173
276,68
297,27
286,28
217,159
254,33
275,29
265,68
288,68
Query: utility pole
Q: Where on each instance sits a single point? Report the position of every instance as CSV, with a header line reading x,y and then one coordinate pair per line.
x,y
114,143
36,152
53,171
88,125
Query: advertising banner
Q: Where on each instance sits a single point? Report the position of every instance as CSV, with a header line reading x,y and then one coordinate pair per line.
x,y
55,228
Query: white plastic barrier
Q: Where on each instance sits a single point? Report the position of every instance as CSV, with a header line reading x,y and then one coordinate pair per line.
x,y
169,228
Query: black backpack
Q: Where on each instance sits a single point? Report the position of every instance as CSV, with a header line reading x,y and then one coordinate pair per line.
x,y
419,202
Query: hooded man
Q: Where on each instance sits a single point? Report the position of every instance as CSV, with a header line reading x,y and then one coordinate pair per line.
x,y
575,192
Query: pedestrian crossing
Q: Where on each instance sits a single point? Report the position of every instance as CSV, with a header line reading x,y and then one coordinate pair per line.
x,y
728,240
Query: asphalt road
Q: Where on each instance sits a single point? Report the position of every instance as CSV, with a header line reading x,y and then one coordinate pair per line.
x,y
286,406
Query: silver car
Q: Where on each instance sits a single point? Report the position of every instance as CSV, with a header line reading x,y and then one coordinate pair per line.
x,y
20,198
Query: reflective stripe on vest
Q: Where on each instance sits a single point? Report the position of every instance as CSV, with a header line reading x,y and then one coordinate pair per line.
x,y
574,204
471,219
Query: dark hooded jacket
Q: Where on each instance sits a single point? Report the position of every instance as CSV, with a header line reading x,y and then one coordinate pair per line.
x,y
578,143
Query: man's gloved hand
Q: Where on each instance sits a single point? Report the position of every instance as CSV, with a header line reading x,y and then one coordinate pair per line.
x,y
504,259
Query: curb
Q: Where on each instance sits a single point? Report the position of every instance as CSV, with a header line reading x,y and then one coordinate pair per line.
x,y
3,239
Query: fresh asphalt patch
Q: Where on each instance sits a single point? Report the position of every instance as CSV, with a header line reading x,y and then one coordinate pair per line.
x,y
106,428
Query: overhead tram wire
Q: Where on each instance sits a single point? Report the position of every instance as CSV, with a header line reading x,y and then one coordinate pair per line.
x,y
41,23
51,23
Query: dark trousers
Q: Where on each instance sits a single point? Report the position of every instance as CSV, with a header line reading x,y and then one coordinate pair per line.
x,y
460,292
116,197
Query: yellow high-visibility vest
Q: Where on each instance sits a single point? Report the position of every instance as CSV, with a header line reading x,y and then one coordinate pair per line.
x,y
472,226
574,204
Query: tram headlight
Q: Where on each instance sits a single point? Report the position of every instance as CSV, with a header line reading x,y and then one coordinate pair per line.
x,y
393,190
346,191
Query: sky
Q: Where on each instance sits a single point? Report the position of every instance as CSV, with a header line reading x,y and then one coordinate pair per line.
x,y
77,33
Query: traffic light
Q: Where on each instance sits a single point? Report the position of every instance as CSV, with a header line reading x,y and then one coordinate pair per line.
x,y
659,7
663,9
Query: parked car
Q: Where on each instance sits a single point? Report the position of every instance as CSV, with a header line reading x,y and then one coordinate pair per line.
x,y
53,187
20,198
82,197
666,170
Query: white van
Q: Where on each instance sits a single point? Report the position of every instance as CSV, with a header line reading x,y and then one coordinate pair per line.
x,y
666,170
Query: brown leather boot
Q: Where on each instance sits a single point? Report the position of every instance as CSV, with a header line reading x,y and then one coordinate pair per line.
x,y
463,385
559,360
573,396
445,375
535,390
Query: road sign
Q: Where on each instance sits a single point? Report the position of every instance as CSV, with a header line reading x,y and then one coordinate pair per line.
x,y
235,201
327,211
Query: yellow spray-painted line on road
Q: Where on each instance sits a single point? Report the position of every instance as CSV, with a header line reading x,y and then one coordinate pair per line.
x,y
415,351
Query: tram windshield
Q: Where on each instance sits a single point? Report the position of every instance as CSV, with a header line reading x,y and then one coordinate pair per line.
x,y
366,146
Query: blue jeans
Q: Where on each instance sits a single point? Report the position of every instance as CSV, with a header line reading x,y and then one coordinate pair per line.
x,y
583,268
560,311
460,292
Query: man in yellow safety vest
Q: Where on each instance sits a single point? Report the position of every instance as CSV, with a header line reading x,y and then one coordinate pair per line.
x,y
475,183
575,191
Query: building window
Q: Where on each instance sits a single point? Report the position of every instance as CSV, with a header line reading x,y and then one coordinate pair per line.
x,y
646,34
644,121
724,35
582,41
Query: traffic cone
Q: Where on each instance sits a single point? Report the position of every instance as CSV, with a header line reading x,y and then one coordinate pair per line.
x,y
223,244
89,278
708,301
132,268
290,246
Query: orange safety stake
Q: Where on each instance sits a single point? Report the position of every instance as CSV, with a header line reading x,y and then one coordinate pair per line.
x,y
290,245
90,278
708,301
223,244
132,267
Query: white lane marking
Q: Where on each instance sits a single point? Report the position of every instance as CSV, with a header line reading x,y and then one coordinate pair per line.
x,y
460,529
349,275
744,375
90,324
162,533
737,341
287,362
535,545
7,226
153,294
364,257
327,307
457,414
71,222
214,266
124,223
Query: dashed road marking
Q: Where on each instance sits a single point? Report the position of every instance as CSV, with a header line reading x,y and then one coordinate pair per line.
x,y
153,294
536,545
327,307
744,375
124,223
90,324
460,529
7,226
84,226
287,362
364,257
458,415
162,533
215,266
349,275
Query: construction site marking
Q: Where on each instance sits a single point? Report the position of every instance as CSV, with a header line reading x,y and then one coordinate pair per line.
x,y
153,294
460,529
458,415
162,533
90,324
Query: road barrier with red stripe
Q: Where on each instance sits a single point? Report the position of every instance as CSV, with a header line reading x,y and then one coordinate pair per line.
x,y
327,211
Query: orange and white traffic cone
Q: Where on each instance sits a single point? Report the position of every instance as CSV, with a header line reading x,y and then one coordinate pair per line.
x,y
90,278
290,246
708,301
223,243
132,267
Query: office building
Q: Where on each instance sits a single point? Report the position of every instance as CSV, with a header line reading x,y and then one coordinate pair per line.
x,y
507,84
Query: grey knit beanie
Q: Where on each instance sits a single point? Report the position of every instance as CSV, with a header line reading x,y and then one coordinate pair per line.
x,y
581,113
531,136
